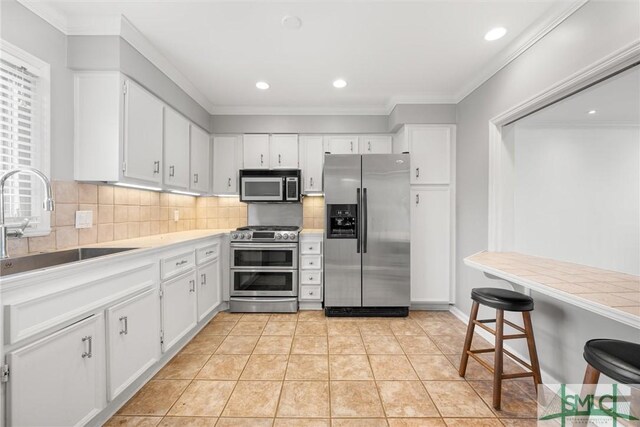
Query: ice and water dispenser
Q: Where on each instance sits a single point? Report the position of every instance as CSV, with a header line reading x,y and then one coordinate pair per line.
x,y
342,221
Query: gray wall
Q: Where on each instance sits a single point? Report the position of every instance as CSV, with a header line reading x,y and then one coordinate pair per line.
x,y
423,114
50,45
115,53
593,32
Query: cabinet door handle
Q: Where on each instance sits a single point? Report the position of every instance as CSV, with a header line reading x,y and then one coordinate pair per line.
x,y
261,159
172,170
279,159
229,182
195,178
417,172
369,143
417,199
351,142
156,166
209,252
203,279
124,331
183,262
311,181
192,284
89,353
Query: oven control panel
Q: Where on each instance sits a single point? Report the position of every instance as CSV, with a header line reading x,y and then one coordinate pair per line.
x,y
264,236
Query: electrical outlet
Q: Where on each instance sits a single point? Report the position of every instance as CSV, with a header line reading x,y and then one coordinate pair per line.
x,y
176,215
84,219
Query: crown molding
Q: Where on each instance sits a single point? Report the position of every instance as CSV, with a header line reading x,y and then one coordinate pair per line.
x,y
554,17
120,26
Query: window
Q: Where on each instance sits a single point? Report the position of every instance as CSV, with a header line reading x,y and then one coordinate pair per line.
x,y
24,94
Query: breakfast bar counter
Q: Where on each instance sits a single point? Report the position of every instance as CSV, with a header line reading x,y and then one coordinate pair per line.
x,y
608,293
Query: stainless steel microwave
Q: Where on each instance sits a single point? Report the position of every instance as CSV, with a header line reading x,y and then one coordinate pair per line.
x,y
273,186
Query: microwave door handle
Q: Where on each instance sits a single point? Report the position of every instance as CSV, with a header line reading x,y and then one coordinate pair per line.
x,y
358,216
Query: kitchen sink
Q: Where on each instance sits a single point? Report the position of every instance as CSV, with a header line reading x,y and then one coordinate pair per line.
x,y
50,259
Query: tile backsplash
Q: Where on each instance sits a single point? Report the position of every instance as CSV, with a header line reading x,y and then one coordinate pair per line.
x,y
313,212
124,213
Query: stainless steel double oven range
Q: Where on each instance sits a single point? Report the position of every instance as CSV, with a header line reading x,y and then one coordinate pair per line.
x,y
264,269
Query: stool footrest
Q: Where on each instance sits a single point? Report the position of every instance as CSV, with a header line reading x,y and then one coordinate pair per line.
x,y
517,375
487,366
482,322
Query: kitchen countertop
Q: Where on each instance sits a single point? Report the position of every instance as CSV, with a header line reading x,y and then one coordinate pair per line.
x,y
159,240
612,294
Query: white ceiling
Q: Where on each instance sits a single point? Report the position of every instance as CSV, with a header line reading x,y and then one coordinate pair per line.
x,y
387,51
616,101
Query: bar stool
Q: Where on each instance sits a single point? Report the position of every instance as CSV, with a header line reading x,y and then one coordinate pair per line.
x,y
619,360
502,300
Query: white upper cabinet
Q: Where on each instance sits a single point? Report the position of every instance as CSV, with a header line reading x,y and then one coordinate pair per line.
x,y
376,144
176,150
283,151
143,114
226,157
312,160
200,160
431,152
59,380
255,151
336,144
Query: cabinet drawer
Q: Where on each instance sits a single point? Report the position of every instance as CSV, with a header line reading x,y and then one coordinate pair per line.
x,y
207,253
310,293
311,277
174,265
311,262
314,248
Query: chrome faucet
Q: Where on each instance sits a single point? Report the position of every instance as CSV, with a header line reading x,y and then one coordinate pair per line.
x,y
47,204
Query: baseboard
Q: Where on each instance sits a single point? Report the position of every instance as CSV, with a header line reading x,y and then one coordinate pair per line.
x,y
546,377
434,306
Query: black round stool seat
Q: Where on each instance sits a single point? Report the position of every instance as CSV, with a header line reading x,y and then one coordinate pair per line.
x,y
616,359
502,299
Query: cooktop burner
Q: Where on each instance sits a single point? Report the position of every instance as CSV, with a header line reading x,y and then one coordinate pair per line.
x,y
269,228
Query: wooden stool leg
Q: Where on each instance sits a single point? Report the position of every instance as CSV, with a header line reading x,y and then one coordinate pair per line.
x,y
467,341
589,383
533,353
498,358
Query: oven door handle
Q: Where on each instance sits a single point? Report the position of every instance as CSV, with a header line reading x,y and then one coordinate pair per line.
x,y
270,247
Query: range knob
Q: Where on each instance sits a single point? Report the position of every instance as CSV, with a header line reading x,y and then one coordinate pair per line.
x,y
247,236
278,236
234,235
290,236
241,236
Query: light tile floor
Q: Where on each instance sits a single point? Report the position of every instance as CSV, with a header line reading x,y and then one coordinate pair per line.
x,y
307,370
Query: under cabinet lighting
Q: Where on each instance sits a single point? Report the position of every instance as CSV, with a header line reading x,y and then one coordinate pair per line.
x,y
139,187
495,33
314,195
186,193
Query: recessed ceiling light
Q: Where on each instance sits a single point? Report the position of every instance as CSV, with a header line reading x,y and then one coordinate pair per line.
x,y
495,33
592,112
340,83
262,85
291,22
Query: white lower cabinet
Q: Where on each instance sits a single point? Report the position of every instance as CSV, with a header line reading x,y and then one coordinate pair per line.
x,y
59,380
430,245
133,339
179,308
209,290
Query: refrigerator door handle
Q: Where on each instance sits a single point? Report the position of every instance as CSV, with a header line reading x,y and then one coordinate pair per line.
x,y
364,220
358,213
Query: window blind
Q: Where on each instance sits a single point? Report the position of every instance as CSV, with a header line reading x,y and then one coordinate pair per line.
x,y
18,122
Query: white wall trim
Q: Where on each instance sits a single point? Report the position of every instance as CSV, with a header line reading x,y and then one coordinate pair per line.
x,y
48,13
546,377
554,17
498,171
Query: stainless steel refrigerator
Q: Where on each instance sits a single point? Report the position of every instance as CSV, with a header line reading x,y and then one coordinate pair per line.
x,y
366,241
